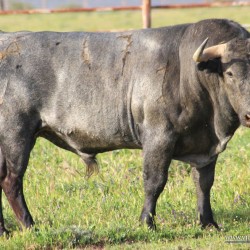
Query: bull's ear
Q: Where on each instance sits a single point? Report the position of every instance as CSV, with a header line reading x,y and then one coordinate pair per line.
x,y
211,66
203,55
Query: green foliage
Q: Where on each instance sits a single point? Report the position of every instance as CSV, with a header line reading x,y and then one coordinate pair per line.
x,y
72,211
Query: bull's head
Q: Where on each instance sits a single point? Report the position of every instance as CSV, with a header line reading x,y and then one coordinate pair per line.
x,y
234,68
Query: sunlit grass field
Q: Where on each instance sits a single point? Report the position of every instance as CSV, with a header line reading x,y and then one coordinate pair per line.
x,y
105,21
72,211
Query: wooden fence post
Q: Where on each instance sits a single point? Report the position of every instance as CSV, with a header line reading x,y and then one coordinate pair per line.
x,y
146,14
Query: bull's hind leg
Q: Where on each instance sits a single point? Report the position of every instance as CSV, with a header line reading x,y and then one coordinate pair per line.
x,y
16,152
203,179
13,189
2,176
157,157
2,227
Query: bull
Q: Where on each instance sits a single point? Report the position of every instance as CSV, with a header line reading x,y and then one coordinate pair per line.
x,y
169,91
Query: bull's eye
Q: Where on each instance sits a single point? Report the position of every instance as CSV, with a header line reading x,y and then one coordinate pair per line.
x,y
229,73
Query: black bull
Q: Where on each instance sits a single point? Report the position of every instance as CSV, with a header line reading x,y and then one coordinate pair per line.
x,y
156,90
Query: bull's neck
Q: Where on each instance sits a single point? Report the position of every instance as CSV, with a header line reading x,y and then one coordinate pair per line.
x,y
204,102
225,119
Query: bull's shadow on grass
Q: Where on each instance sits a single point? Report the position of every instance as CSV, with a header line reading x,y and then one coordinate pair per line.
x,y
83,238
76,235
79,236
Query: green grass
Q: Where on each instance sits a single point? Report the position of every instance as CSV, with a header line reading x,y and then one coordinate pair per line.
x,y
71,211
104,21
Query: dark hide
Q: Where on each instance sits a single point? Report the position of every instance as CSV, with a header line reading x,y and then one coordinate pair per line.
x,y
94,92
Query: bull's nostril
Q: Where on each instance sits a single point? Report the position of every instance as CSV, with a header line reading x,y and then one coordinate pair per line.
x,y
247,117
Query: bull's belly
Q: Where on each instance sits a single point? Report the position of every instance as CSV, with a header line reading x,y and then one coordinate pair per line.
x,y
85,141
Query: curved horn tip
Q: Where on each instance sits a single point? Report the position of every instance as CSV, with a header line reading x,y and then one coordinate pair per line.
x,y
205,42
198,53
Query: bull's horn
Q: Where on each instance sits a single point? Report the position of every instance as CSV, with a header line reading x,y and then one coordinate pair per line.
x,y
203,55
198,53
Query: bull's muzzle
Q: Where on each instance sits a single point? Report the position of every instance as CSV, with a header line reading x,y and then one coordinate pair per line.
x,y
247,119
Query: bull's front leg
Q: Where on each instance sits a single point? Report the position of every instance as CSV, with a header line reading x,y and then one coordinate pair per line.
x,y
157,157
203,179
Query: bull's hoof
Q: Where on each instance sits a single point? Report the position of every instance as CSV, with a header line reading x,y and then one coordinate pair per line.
x,y
210,225
149,220
4,232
